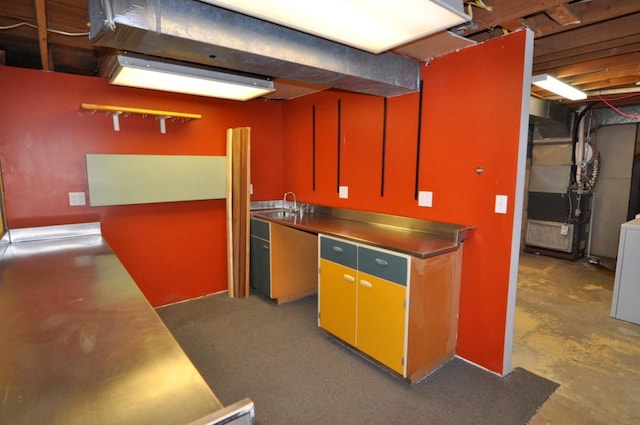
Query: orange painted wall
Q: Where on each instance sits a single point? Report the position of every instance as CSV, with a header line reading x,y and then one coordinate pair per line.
x,y
174,251
472,102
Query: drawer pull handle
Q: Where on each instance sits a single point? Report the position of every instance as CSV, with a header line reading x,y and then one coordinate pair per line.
x,y
265,246
366,284
382,262
337,249
349,278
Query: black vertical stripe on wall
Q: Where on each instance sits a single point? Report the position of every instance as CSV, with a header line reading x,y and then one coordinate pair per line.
x,y
384,145
339,136
313,147
415,194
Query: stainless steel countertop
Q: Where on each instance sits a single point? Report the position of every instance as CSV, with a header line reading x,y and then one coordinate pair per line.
x,y
80,344
410,241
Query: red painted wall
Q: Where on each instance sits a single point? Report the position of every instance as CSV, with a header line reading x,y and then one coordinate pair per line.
x,y
472,101
174,251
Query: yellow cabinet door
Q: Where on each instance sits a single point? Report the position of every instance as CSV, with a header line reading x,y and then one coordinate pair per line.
x,y
337,300
381,320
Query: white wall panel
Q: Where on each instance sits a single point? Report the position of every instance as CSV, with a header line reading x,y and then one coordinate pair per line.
x,y
141,179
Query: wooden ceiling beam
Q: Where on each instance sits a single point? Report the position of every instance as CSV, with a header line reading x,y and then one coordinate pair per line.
x,y
597,65
505,11
589,13
629,71
572,61
609,83
69,16
41,18
618,28
18,10
589,52
72,42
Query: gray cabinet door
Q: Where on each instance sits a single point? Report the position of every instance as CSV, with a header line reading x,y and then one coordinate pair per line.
x,y
260,265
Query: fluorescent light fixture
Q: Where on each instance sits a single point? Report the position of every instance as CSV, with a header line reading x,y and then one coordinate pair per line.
x,y
371,25
159,74
556,86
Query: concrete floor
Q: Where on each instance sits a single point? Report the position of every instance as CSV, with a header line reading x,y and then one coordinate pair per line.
x,y
563,331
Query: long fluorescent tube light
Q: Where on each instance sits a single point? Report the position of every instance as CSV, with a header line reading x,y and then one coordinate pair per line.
x,y
158,74
556,86
371,25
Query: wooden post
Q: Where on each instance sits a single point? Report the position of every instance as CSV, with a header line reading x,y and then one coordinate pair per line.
x,y
238,208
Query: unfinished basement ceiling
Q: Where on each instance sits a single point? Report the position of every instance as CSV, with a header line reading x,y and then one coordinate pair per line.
x,y
594,45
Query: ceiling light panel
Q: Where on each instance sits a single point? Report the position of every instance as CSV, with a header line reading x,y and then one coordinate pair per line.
x,y
157,74
371,25
556,86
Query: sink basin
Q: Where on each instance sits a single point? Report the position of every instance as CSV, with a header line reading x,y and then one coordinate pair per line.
x,y
274,209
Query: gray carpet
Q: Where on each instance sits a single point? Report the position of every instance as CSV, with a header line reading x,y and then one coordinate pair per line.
x,y
296,374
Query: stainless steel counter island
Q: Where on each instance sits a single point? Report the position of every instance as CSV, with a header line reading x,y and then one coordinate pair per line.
x,y
80,344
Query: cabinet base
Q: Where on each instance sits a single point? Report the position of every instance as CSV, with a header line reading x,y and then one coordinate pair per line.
x,y
422,373
296,296
285,298
412,380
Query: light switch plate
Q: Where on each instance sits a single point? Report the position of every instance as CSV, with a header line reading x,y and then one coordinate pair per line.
x,y
343,192
425,199
501,204
250,188
77,199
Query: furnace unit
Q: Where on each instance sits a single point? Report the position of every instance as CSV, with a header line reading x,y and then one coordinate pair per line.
x,y
559,198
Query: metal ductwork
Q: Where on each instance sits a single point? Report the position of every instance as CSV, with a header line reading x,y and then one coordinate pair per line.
x,y
551,119
192,31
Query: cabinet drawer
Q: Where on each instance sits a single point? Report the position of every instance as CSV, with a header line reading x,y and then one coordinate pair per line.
x,y
338,251
260,229
383,265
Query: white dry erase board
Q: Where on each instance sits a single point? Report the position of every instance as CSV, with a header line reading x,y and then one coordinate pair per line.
x,y
142,179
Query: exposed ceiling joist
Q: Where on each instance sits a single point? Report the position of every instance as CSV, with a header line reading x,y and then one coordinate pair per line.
x,y
613,29
590,12
587,53
608,83
598,65
41,15
503,12
597,54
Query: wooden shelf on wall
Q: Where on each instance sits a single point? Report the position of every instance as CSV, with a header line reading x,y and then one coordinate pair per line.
x,y
116,111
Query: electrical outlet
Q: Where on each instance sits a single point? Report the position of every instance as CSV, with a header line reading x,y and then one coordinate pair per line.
x,y
343,192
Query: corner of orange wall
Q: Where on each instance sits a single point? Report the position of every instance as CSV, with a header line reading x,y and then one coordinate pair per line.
x,y
471,118
174,251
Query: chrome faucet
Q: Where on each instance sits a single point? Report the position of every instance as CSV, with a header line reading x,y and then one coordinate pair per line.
x,y
291,209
